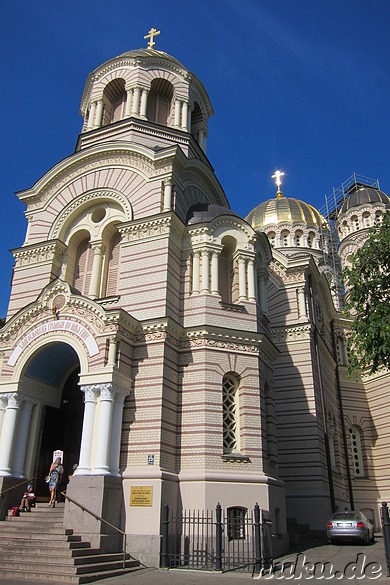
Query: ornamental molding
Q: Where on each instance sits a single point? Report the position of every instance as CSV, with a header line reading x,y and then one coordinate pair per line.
x,y
82,164
162,226
285,275
50,251
96,195
291,334
188,179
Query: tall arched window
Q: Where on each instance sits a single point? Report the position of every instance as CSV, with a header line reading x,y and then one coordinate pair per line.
x,y
355,442
226,277
83,268
113,266
230,413
159,101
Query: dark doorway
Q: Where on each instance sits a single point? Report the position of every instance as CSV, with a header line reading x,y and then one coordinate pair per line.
x,y
61,429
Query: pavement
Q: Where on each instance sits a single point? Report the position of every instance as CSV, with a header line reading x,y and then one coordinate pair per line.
x,y
341,562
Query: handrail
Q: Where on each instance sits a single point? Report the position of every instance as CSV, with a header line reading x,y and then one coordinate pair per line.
x,y
17,485
106,522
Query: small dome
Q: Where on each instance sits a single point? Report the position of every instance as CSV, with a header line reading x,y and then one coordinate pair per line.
x,y
360,194
149,53
282,209
205,212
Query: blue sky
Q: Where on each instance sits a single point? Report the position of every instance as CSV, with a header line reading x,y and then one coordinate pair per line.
x,y
299,85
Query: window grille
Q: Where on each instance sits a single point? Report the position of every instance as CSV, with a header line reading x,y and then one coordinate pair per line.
x,y
230,431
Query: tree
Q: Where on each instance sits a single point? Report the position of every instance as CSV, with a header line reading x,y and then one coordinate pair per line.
x,y
2,322
368,288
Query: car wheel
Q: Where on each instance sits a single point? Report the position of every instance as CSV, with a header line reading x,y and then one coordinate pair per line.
x,y
330,540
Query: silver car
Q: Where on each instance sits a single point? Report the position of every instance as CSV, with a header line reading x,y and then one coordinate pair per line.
x,y
350,526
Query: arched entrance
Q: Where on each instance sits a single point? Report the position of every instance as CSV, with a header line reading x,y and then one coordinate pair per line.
x,y
54,373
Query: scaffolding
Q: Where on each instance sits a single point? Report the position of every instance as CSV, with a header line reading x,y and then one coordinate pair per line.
x,y
330,211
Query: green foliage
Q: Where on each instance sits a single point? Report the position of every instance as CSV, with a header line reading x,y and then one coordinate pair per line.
x,y
2,322
368,283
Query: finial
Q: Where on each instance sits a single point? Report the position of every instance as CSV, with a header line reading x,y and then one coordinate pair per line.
x,y
277,176
151,34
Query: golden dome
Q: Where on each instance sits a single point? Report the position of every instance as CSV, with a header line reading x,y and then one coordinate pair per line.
x,y
282,210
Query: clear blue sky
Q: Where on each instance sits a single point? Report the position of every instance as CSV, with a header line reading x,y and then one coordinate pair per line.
x,y
300,85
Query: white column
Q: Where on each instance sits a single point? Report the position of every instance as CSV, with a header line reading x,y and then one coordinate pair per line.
x,y
251,280
184,116
214,273
99,114
242,278
129,95
167,196
21,442
188,117
302,304
135,102
263,293
3,406
144,102
90,399
205,143
103,447
205,271
112,351
96,270
177,113
116,435
8,435
195,271
91,117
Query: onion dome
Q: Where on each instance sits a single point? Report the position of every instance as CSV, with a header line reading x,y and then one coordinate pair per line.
x,y
281,210
360,194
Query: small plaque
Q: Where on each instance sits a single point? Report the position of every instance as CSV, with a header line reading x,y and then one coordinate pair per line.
x,y
150,459
141,495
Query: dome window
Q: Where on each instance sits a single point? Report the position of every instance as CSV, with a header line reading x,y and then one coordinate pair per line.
x,y
159,102
310,240
298,239
355,223
285,239
271,238
366,220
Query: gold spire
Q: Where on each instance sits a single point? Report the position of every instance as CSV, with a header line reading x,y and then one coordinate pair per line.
x,y
277,176
151,34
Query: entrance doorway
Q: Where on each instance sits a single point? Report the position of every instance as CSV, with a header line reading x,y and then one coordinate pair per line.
x,y
61,430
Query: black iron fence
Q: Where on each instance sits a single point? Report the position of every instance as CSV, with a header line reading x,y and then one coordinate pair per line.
x,y
220,540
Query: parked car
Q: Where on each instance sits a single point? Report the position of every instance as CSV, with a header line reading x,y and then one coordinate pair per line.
x,y
350,526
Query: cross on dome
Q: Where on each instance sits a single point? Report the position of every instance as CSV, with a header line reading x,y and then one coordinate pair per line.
x,y
278,180
151,34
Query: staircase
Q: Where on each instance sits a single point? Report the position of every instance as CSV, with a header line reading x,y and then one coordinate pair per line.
x,y
35,546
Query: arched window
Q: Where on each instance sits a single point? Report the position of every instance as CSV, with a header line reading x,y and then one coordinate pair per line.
x,y
355,443
310,240
113,266
227,277
270,424
272,238
230,413
378,217
285,236
298,238
114,100
355,222
83,267
159,102
366,219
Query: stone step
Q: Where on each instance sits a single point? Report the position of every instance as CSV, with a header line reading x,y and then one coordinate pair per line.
x,y
33,566
73,549
55,558
22,529
41,538
58,577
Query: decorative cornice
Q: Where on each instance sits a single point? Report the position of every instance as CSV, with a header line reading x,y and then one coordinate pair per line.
x,y
49,251
292,333
161,226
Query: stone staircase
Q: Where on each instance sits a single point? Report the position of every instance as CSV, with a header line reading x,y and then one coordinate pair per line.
x,y
35,546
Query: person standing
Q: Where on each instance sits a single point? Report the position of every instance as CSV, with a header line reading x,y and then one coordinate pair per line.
x,y
56,471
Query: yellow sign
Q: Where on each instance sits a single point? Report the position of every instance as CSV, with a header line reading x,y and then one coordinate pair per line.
x,y
141,495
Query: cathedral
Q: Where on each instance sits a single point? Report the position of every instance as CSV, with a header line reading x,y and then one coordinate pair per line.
x,y
177,353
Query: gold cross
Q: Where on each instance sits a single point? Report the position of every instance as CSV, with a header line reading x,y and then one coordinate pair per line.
x,y
151,34
277,176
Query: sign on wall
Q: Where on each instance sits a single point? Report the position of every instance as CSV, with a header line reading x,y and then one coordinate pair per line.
x,y
141,495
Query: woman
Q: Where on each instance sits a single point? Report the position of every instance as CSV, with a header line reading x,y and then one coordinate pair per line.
x,y
56,471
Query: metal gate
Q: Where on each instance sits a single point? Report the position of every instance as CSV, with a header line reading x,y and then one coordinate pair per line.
x,y
222,540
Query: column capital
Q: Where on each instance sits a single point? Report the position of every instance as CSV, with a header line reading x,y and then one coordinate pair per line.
x,y
14,400
91,392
